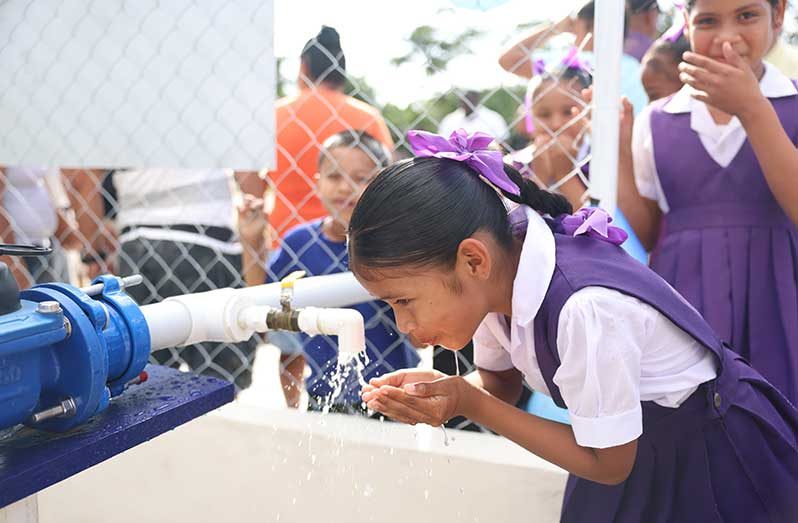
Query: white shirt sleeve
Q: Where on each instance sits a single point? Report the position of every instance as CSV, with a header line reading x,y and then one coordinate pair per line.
x,y
645,167
488,352
600,341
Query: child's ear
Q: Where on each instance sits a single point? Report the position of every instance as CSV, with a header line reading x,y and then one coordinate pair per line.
x,y
473,259
778,16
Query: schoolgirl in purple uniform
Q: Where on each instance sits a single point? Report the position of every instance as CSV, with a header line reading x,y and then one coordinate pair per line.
x,y
716,193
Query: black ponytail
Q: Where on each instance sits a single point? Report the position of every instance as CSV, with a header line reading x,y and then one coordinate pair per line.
x,y
417,212
324,58
543,201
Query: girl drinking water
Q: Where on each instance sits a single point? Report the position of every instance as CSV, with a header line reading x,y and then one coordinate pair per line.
x,y
667,423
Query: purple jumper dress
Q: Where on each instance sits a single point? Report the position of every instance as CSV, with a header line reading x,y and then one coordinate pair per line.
x,y
728,453
728,247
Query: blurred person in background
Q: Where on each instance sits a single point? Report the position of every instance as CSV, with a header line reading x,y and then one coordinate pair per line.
x,y
520,57
304,121
347,163
36,210
178,228
642,27
473,116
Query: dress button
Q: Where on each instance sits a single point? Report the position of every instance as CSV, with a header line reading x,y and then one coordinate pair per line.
x,y
717,400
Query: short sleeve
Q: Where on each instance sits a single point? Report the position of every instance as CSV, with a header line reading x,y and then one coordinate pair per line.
x,y
600,339
488,352
280,264
646,177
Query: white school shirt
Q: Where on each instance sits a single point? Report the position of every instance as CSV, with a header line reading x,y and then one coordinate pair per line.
x,y
615,350
722,142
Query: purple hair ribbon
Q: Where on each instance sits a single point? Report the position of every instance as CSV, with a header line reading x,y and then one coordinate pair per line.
x,y
676,30
469,149
572,61
593,223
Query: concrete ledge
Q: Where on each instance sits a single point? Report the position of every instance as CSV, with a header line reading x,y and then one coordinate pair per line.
x,y
243,463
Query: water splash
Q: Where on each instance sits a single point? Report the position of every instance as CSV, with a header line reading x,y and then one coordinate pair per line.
x,y
340,379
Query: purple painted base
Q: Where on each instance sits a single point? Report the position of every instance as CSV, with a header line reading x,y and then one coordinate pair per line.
x,y
32,460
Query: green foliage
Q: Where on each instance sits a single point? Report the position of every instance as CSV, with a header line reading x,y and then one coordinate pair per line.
x,y
427,114
436,53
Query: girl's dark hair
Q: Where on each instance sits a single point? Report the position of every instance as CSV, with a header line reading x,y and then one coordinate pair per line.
x,y
674,49
324,59
417,211
691,3
362,140
583,78
588,13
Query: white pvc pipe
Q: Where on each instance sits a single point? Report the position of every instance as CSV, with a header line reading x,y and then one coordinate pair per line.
x,y
233,315
608,49
332,290
347,324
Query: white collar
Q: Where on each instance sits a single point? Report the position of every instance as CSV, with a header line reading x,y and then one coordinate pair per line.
x,y
535,269
774,84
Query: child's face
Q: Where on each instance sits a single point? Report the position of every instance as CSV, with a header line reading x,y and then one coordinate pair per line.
x,y
750,26
552,108
432,307
343,176
660,75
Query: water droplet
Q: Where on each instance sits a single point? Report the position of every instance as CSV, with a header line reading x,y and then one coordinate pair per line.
x,y
293,501
426,494
368,491
429,473
313,459
310,473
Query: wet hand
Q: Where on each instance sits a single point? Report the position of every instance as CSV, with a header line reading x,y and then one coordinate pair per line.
x,y
731,87
399,379
430,402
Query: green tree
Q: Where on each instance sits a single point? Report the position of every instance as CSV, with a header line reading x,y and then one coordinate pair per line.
x,y
435,52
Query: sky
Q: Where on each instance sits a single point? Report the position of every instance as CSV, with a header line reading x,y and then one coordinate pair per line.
x,y
372,33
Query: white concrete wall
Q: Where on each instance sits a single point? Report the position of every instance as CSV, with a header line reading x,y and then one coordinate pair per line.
x,y
247,463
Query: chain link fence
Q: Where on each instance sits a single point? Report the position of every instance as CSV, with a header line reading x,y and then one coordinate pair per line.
x,y
205,227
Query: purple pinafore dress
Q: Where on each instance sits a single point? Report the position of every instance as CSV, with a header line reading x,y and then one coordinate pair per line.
x,y
728,453
728,247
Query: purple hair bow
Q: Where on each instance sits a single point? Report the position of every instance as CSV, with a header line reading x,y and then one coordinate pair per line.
x,y
677,29
469,149
572,61
593,223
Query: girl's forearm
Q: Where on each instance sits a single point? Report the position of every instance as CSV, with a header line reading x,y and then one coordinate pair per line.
x,y
643,214
552,441
776,153
506,385
516,59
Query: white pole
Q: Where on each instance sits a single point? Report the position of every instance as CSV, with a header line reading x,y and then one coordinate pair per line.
x,y
608,48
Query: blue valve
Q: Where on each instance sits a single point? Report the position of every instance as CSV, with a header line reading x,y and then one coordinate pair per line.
x,y
65,352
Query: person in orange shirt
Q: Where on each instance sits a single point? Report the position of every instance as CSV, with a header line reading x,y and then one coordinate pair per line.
x,y
305,121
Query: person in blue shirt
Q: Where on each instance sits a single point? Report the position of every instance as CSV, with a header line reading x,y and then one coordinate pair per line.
x,y
347,163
